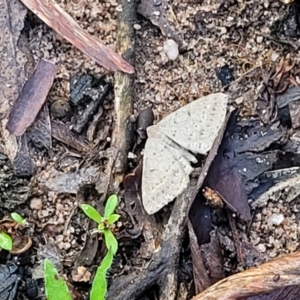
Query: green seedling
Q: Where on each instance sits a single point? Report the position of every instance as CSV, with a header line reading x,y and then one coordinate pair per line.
x,y
105,222
99,287
55,288
18,218
5,241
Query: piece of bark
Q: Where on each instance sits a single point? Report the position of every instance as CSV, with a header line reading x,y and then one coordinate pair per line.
x,y
294,109
278,273
205,246
62,133
144,120
67,183
16,64
55,17
236,238
39,133
22,162
14,190
122,137
89,111
31,99
90,133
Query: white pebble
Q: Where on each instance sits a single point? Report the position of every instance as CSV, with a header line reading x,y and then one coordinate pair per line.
x,y
45,213
259,39
59,238
67,245
137,26
275,219
36,203
274,56
171,49
261,248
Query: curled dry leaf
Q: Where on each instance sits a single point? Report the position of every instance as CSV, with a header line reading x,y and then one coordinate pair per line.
x,y
21,244
278,273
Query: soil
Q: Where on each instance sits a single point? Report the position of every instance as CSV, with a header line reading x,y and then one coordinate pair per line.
x,y
224,46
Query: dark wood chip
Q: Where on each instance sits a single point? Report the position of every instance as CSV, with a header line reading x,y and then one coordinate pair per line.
x,y
31,98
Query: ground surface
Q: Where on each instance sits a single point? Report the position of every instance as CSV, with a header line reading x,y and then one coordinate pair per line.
x,y
235,35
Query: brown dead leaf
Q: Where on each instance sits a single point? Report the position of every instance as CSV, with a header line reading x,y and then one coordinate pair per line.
x,y
205,246
31,98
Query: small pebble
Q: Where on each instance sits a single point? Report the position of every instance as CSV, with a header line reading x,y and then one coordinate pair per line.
x,y
259,39
36,203
239,100
276,219
171,49
60,108
274,56
67,246
261,248
61,245
137,26
223,30
59,238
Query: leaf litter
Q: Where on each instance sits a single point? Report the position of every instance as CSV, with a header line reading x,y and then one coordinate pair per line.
x,y
239,35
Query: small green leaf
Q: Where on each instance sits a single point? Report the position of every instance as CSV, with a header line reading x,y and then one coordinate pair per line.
x,y
55,287
99,286
110,241
91,212
18,218
110,206
5,241
113,219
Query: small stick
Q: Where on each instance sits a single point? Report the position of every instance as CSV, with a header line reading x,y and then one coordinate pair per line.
x,y
55,17
123,129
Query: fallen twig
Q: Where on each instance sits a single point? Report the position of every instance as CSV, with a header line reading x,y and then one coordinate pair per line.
x,y
123,129
55,17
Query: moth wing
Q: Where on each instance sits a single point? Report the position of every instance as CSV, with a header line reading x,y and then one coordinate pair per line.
x,y
196,125
166,173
